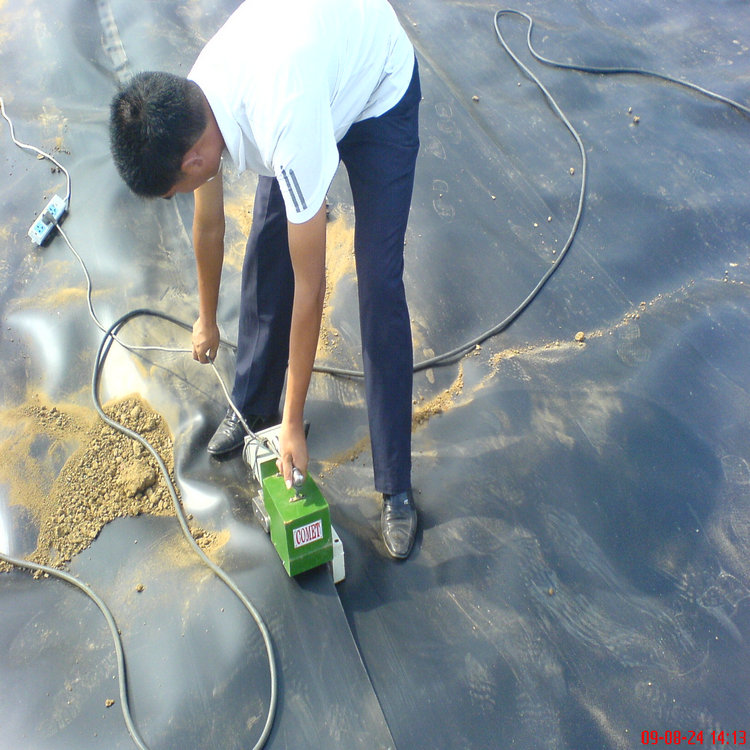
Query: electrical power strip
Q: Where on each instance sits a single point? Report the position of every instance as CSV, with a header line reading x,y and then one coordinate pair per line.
x,y
45,223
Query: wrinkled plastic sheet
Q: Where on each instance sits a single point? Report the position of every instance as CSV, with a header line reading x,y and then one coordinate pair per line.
x,y
581,575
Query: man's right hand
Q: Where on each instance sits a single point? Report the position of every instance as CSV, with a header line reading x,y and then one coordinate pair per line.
x,y
205,341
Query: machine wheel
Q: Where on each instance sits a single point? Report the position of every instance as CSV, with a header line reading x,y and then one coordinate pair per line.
x,y
259,509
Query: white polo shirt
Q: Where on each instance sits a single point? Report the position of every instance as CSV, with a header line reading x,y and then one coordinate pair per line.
x,y
286,79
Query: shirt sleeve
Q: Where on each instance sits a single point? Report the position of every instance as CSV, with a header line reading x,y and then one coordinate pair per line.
x,y
300,146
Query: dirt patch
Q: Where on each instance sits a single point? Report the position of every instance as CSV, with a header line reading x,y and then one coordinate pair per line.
x,y
54,299
238,210
424,410
345,457
339,266
73,473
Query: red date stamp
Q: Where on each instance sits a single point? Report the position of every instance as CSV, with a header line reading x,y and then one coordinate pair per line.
x,y
696,738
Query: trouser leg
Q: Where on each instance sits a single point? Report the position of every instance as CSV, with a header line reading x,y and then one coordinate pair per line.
x,y
265,307
380,155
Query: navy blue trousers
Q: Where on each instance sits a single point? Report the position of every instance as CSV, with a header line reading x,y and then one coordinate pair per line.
x,y
380,156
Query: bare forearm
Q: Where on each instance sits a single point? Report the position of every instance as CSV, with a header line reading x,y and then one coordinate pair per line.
x,y
209,258
307,250
303,343
208,243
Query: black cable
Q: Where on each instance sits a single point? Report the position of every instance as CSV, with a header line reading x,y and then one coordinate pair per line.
x,y
453,355
605,70
460,351
113,629
102,353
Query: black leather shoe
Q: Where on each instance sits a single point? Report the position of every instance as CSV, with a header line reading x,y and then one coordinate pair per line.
x,y
398,523
230,434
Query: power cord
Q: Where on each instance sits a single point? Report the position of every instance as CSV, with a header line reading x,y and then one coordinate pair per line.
x,y
35,150
217,570
220,573
117,639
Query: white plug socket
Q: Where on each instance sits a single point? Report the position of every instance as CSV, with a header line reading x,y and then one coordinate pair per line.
x,y
45,223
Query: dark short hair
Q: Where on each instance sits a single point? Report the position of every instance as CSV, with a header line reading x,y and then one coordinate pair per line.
x,y
154,121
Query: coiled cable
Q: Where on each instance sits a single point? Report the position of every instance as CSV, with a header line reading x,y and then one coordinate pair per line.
x,y
219,572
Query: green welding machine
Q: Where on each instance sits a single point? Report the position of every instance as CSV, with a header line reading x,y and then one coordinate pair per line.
x,y
298,520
